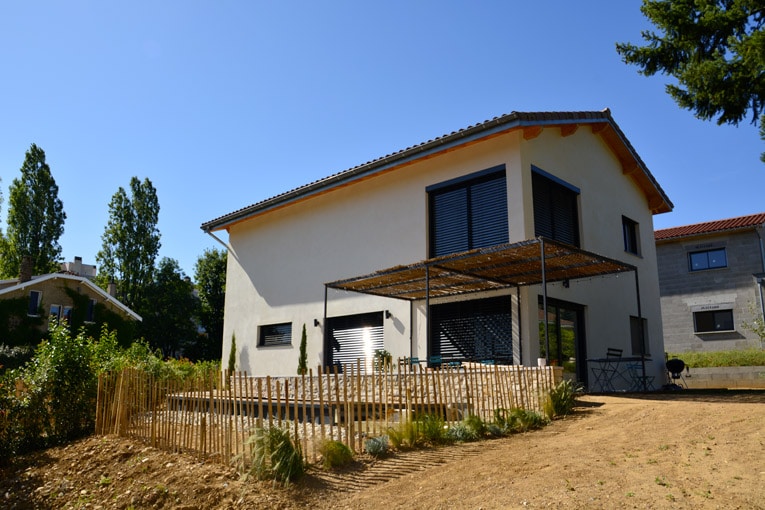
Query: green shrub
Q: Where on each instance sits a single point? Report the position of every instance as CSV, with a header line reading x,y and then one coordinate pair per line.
x,y
64,371
518,420
561,399
405,435
494,430
275,455
382,360
432,429
476,424
461,433
334,454
376,446
742,358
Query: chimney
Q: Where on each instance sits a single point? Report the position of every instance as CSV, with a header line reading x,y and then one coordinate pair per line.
x,y
25,271
112,289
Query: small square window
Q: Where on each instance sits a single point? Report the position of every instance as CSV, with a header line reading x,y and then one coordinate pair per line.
x,y
707,259
631,236
275,334
712,321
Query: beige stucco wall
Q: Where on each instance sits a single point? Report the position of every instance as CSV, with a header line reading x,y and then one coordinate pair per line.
x,y
279,261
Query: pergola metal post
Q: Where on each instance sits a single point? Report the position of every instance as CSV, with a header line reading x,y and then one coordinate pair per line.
x,y
520,341
324,327
640,330
427,305
544,299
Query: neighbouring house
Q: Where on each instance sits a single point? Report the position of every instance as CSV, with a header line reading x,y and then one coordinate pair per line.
x,y
456,250
30,304
711,283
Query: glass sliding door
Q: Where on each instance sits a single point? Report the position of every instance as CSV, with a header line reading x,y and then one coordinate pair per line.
x,y
565,337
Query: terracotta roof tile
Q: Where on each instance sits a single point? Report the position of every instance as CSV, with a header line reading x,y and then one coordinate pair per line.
x,y
740,222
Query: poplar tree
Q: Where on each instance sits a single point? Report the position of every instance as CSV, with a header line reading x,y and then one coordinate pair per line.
x,y
131,242
35,218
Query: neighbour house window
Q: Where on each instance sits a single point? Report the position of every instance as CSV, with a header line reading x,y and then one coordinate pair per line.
x,y
707,259
639,346
67,314
631,236
713,321
91,311
555,208
35,299
275,334
55,315
468,212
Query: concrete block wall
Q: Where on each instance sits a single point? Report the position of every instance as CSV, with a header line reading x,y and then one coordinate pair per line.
x,y
682,290
726,378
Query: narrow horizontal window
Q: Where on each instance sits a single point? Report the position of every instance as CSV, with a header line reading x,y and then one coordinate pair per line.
x,y
707,259
712,321
275,334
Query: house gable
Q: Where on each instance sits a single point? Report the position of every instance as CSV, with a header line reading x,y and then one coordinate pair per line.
x,y
529,124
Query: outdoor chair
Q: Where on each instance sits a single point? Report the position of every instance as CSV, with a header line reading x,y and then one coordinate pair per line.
x,y
607,369
639,382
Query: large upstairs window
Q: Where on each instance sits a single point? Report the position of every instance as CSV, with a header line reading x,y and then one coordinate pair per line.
x,y
555,208
468,212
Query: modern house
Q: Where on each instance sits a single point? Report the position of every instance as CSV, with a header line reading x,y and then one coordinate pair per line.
x,y
711,283
456,249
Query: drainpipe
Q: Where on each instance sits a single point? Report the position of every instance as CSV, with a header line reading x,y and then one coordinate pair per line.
x,y
757,231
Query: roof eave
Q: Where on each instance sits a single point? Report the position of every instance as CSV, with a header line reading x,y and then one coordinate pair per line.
x,y
632,164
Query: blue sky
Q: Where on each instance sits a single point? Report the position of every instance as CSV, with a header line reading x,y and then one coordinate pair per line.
x,y
225,103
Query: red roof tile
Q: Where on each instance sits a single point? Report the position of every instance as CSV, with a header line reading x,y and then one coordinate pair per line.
x,y
708,227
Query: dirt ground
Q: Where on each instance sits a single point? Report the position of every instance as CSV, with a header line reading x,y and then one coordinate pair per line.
x,y
683,449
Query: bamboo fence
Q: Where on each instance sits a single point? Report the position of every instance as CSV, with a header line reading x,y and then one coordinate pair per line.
x,y
212,417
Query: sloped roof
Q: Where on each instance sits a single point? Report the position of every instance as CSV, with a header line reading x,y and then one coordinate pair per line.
x,y
709,227
36,280
482,269
531,123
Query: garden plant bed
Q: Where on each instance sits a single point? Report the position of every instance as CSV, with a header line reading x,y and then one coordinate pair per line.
x,y
692,449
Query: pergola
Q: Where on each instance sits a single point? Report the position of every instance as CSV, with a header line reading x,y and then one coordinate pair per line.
x,y
536,261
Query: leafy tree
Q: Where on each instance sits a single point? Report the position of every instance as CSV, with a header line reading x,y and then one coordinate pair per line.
x,y
169,310
716,51
210,277
35,218
130,242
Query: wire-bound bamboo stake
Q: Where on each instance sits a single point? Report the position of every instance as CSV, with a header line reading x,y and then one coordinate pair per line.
x,y
305,415
313,414
358,416
337,399
320,374
347,422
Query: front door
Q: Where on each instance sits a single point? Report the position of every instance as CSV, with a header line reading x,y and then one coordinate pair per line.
x,y
566,338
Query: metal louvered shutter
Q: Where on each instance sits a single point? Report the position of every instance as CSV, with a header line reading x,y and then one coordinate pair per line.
x,y
474,330
469,212
353,337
